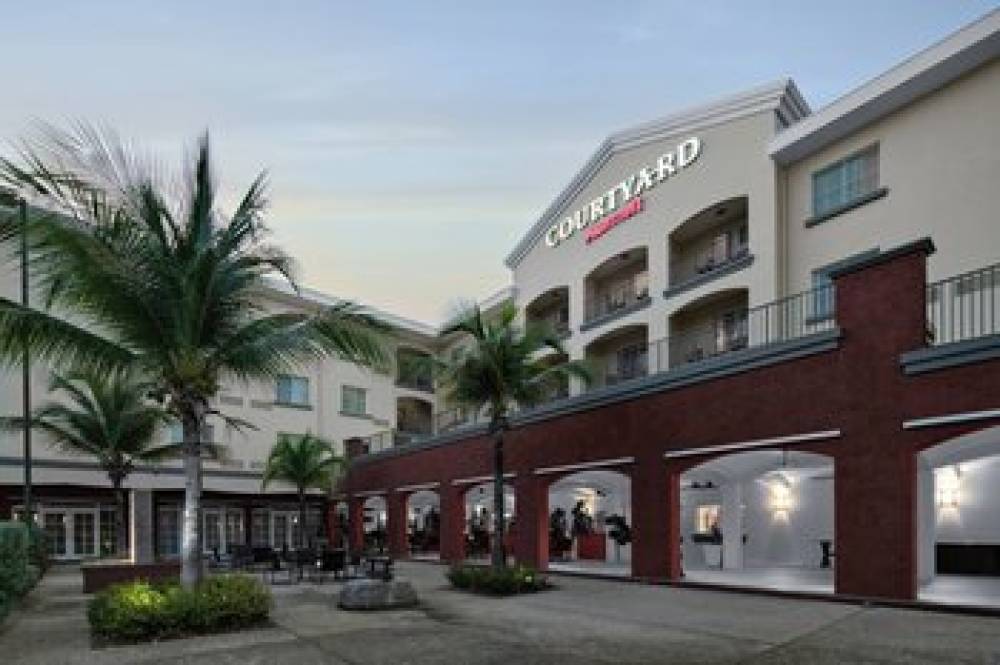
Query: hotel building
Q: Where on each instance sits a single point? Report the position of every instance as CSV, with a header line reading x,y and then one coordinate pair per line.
x,y
794,320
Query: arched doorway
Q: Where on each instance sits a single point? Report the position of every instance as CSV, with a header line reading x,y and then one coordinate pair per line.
x,y
479,521
762,519
375,515
590,523
423,524
958,531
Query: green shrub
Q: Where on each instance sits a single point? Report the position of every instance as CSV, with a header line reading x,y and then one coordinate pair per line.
x,y
17,573
140,611
503,582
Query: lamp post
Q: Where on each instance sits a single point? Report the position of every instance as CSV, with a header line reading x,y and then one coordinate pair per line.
x,y
26,369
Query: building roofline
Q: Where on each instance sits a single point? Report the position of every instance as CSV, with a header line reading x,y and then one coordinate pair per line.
x,y
922,73
781,96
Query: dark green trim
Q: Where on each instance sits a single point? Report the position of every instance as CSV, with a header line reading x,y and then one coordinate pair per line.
x,y
727,268
924,245
955,354
847,207
596,322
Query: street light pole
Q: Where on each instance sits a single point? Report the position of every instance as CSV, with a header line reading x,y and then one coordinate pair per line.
x,y
26,370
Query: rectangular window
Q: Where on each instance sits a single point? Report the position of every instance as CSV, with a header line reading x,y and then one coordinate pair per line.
x,y
168,531
293,390
177,433
260,531
845,182
354,400
109,537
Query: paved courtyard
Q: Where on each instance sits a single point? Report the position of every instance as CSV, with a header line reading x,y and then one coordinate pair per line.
x,y
583,622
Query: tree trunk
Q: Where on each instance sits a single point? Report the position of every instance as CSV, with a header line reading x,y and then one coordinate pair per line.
x,y
302,519
121,532
499,553
191,547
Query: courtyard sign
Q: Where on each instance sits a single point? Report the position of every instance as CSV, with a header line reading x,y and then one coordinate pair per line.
x,y
623,201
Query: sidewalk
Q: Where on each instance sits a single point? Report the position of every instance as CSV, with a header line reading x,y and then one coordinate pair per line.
x,y
583,622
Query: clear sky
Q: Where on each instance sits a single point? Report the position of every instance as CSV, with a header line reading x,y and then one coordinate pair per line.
x,y
411,143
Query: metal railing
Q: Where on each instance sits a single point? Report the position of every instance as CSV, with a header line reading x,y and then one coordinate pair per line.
x,y
708,265
608,302
964,307
782,320
416,381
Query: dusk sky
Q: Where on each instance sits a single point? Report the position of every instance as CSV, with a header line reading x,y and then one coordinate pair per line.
x,y
410,144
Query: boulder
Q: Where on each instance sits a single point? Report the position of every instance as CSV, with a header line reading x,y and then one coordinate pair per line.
x,y
377,595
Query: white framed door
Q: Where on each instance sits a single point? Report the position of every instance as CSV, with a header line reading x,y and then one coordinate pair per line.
x,y
72,533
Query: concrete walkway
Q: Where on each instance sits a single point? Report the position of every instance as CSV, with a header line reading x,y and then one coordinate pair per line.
x,y
582,622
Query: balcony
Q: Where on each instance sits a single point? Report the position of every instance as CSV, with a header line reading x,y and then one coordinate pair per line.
x,y
711,244
616,288
413,370
414,419
964,307
710,327
620,356
551,309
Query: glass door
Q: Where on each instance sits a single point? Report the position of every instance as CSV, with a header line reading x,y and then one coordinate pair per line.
x,y
55,533
84,533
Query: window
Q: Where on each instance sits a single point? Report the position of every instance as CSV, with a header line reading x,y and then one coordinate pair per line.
x,y
293,390
177,433
109,536
168,531
706,517
845,182
731,331
260,530
353,400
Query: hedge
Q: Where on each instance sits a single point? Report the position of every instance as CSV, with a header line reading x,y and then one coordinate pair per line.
x,y
140,611
503,582
21,562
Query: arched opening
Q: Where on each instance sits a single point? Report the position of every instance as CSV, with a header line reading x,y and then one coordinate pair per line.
x,y
414,420
423,524
711,243
479,521
590,523
620,355
710,326
374,520
762,518
551,309
617,286
413,369
958,530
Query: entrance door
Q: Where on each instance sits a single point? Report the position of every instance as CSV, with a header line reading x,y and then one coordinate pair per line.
x,y
84,533
55,533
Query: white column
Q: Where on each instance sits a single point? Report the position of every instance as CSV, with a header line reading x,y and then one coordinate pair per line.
x,y
731,523
926,522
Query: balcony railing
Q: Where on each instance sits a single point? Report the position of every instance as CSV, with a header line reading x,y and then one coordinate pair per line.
x,y
606,303
709,264
416,381
557,321
964,307
783,320
779,321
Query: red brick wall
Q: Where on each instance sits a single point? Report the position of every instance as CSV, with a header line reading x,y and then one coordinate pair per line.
x,y
858,388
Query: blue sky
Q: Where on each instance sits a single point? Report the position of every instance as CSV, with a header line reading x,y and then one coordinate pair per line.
x,y
410,144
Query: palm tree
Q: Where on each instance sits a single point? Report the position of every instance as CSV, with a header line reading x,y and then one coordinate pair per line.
x,y
109,418
139,271
307,462
499,369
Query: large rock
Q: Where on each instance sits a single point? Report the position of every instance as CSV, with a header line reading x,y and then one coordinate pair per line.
x,y
377,595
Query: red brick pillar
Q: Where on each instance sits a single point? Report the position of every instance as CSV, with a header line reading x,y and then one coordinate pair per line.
x,y
881,309
452,523
655,520
396,525
356,523
531,510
